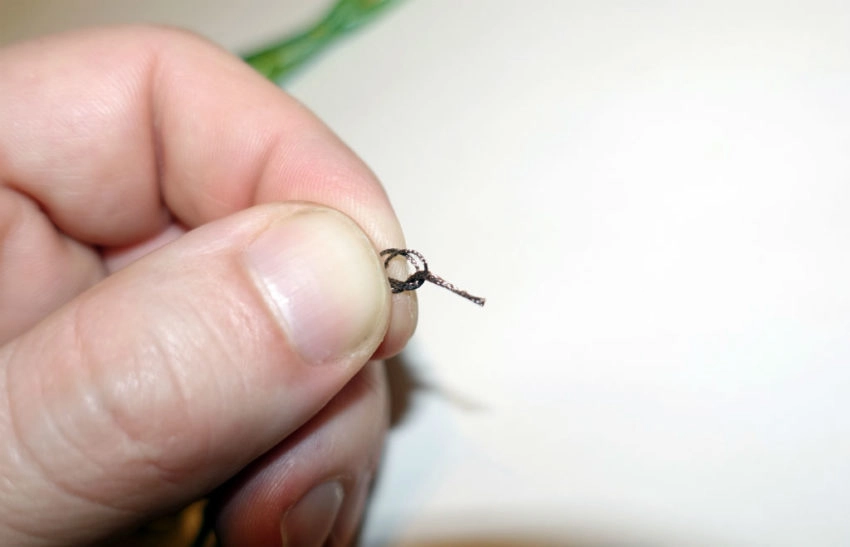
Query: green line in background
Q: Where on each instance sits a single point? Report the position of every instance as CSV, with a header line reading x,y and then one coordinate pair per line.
x,y
280,60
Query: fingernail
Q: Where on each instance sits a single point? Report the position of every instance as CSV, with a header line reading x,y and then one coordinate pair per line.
x,y
321,276
349,518
310,521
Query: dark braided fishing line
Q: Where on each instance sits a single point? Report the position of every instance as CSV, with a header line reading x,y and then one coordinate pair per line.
x,y
420,275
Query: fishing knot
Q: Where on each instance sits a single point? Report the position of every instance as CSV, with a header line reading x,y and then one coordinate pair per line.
x,y
414,280
420,275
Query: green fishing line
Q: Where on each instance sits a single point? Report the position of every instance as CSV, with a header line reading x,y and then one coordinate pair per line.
x,y
279,60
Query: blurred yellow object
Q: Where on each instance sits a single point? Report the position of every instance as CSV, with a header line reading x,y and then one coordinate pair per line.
x,y
178,530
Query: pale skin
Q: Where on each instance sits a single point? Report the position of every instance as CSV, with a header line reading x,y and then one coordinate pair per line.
x,y
164,334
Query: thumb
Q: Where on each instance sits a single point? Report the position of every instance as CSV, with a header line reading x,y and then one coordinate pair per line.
x,y
168,377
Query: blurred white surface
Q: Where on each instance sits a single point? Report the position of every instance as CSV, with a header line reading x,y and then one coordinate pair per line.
x,y
654,198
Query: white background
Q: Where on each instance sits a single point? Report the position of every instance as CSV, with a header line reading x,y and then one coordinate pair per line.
x,y
654,198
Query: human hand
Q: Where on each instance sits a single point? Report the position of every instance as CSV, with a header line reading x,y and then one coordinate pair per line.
x,y
190,291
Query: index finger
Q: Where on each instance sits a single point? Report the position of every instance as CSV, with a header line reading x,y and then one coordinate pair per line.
x,y
109,126
116,132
